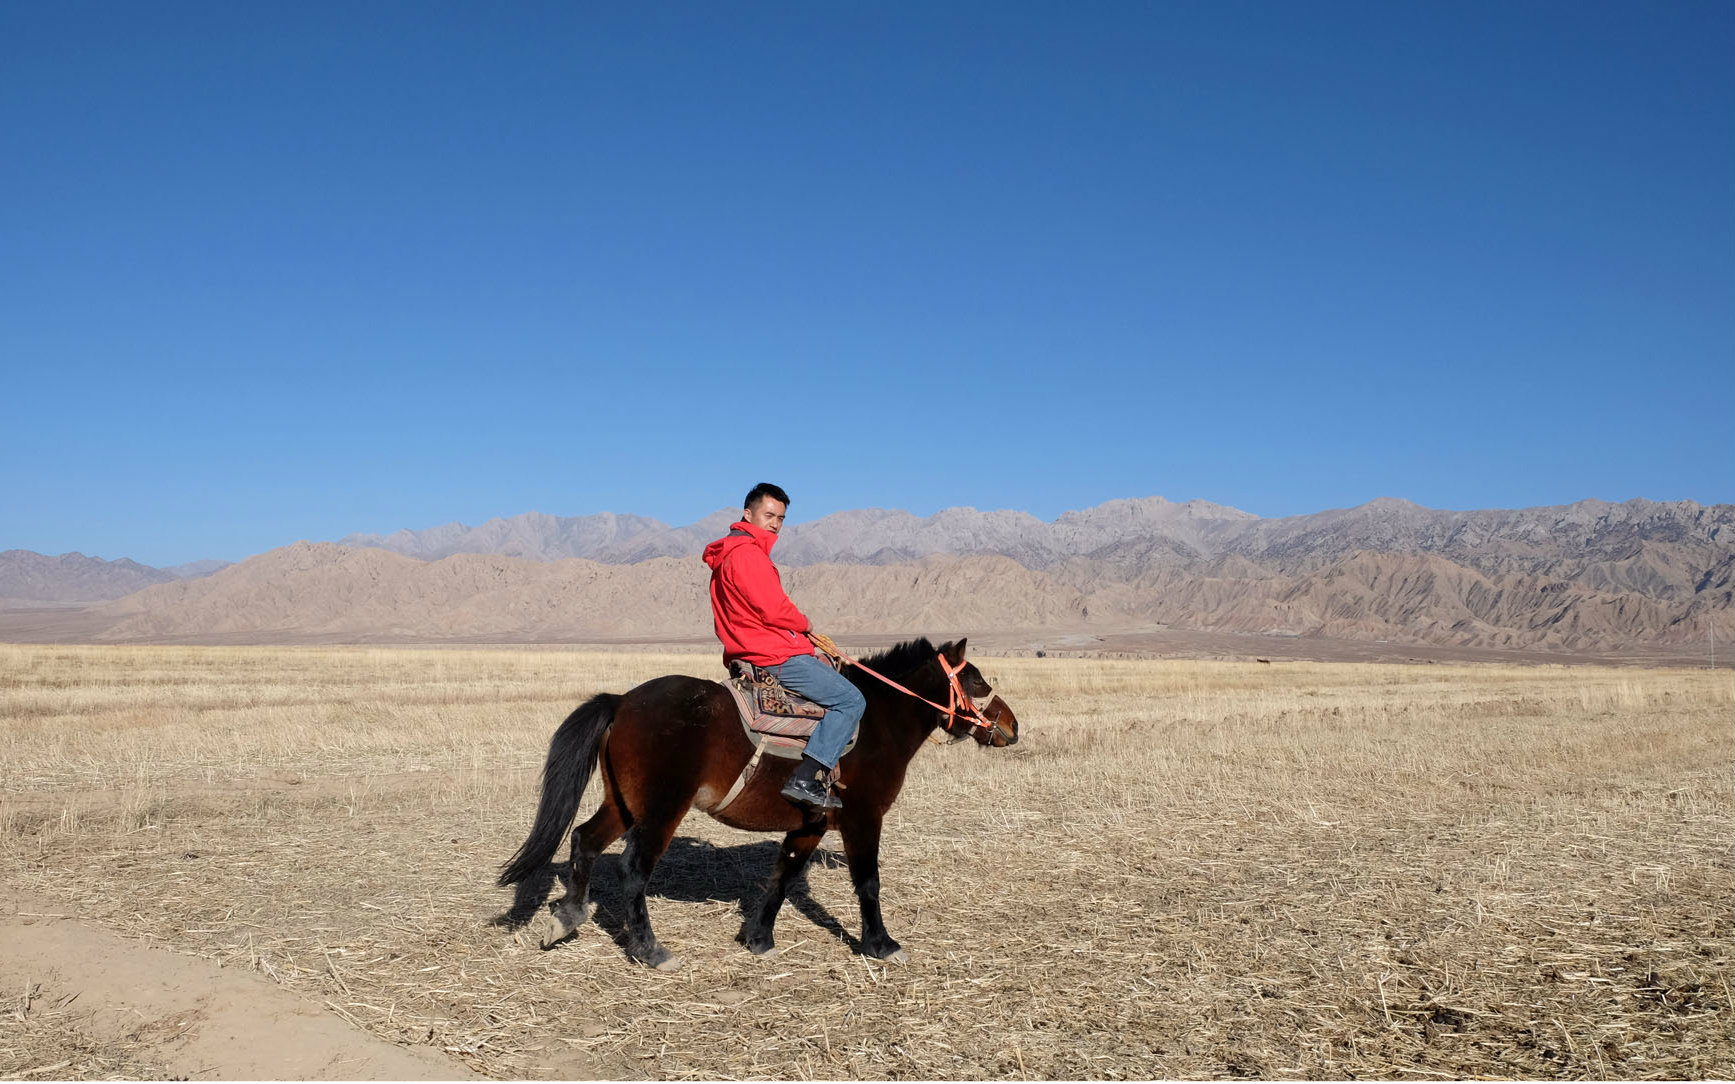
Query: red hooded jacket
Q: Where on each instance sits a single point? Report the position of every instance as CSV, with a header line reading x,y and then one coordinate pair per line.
x,y
755,619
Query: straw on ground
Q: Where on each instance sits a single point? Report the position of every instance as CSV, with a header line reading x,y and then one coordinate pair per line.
x,y
1185,869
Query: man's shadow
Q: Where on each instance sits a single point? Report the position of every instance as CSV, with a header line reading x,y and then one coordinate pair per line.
x,y
692,871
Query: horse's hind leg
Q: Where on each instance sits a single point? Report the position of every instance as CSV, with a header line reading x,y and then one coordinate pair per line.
x,y
646,842
589,840
791,860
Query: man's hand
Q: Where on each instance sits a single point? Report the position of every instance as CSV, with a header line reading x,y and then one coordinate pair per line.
x,y
825,644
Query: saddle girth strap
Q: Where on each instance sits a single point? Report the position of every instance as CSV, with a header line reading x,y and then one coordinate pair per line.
x,y
740,783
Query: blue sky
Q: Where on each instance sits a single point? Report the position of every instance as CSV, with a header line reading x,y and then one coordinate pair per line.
x,y
289,271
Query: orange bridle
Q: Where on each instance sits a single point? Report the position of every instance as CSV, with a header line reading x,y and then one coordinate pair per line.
x,y
960,704
956,697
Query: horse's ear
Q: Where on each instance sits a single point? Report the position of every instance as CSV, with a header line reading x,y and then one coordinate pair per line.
x,y
954,652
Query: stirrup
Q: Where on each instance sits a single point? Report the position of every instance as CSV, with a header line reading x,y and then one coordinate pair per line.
x,y
809,793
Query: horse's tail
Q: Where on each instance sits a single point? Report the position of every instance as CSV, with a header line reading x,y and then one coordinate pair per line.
x,y
572,756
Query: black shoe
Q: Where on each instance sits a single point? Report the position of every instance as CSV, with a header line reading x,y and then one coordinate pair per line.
x,y
807,786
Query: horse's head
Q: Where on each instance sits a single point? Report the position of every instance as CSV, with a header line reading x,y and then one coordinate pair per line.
x,y
1002,728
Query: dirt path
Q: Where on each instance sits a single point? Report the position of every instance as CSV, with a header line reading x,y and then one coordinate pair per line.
x,y
190,1017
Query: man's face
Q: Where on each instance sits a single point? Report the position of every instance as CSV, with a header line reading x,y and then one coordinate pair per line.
x,y
766,514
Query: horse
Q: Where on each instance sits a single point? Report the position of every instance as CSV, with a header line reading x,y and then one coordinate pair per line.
x,y
675,743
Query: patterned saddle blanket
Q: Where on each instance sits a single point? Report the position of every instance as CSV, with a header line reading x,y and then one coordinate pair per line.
x,y
777,719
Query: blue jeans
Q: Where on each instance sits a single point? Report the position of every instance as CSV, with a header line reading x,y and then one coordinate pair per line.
x,y
843,702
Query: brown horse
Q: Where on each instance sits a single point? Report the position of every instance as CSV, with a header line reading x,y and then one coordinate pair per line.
x,y
676,742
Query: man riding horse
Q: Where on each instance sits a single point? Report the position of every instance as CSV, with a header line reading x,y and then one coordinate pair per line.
x,y
674,744
757,623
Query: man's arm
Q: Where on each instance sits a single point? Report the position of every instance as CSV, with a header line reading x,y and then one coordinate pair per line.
x,y
755,580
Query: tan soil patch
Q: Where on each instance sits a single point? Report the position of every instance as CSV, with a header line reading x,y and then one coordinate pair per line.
x,y
115,1007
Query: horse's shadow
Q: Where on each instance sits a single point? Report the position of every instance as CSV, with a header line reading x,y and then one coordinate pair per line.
x,y
692,871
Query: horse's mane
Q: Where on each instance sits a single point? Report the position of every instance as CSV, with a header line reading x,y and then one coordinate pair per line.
x,y
900,660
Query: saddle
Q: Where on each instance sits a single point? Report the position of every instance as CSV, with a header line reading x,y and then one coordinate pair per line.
x,y
778,720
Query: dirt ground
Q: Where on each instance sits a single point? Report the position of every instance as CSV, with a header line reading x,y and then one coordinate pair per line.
x,y
110,1007
1186,869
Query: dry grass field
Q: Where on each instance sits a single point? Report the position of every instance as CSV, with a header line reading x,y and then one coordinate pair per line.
x,y
1185,869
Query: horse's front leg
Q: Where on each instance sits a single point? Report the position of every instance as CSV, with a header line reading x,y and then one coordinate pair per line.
x,y
791,860
861,845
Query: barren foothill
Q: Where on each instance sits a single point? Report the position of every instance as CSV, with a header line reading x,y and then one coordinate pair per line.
x,y
1636,579
1186,869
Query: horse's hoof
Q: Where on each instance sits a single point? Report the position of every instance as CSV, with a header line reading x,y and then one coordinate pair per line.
x,y
898,957
564,910
545,931
758,946
658,957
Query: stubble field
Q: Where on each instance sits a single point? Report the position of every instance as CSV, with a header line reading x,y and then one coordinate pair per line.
x,y
1185,869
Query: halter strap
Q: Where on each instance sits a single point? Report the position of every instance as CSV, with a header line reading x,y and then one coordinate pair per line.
x,y
956,695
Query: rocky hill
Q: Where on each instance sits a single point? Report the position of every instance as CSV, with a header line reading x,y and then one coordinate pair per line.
x,y
1146,532
875,536
1660,550
1568,541
534,535
325,591
1589,575
36,579
322,590
29,579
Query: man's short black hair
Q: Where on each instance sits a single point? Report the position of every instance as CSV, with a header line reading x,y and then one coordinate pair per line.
x,y
765,489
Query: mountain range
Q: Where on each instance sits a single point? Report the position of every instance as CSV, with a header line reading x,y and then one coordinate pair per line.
x,y
1137,534
34,579
1592,574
